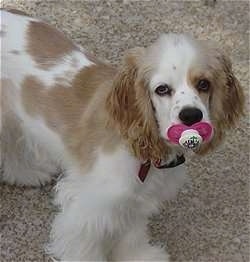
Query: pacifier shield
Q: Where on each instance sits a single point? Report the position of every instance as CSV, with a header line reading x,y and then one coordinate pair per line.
x,y
203,129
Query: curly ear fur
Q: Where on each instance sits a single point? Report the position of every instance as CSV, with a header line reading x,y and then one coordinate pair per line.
x,y
227,98
130,108
232,100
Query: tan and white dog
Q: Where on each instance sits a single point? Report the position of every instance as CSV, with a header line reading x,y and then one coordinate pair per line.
x,y
64,109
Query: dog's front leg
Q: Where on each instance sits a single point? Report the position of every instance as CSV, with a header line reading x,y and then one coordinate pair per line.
x,y
72,240
79,231
134,246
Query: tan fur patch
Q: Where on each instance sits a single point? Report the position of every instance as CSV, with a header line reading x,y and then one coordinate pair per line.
x,y
194,75
77,113
47,45
226,100
131,111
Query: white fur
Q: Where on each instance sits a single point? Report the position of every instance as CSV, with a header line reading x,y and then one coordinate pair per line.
x,y
177,53
14,40
103,212
107,206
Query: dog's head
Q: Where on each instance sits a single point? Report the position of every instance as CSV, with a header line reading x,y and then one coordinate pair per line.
x,y
175,80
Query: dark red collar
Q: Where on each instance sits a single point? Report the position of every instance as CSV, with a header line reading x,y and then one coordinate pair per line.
x,y
144,168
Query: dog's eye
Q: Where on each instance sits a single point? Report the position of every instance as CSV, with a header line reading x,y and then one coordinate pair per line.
x,y
163,90
203,85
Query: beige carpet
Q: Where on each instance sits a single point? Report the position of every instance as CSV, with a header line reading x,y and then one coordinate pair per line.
x,y
209,221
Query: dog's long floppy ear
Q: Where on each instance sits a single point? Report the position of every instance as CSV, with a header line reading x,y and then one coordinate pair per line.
x,y
227,98
227,102
121,101
232,99
129,106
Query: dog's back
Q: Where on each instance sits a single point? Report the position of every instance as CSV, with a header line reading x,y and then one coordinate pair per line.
x,y
48,86
35,58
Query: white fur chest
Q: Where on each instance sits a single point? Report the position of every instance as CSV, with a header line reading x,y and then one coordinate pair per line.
x,y
112,188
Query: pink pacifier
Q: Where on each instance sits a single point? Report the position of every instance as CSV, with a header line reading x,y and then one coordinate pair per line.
x,y
190,137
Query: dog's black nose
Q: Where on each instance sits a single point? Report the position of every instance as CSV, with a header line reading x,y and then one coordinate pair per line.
x,y
190,115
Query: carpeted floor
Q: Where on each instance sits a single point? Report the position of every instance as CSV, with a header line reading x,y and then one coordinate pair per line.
x,y
209,220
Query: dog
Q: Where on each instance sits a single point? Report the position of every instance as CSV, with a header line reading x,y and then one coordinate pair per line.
x,y
105,127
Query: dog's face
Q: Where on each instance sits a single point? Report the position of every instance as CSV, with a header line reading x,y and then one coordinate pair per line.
x,y
176,80
179,82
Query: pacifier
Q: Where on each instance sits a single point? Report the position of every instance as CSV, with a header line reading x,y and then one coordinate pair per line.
x,y
190,137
